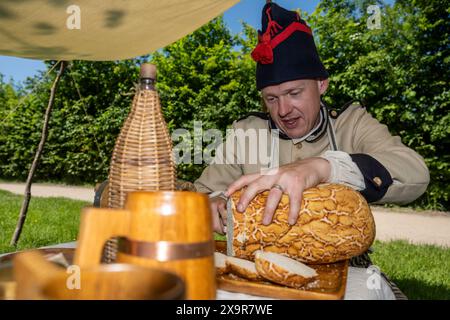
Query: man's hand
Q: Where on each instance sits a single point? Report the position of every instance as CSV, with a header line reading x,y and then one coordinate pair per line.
x,y
291,179
219,214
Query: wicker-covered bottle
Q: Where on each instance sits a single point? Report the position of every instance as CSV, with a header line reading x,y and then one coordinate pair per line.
x,y
142,158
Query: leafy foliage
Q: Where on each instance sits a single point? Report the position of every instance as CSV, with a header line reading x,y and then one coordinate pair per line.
x,y
400,72
90,107
207,76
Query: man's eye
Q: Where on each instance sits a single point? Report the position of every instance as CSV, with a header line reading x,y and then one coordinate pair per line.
x,y
294,94
271,99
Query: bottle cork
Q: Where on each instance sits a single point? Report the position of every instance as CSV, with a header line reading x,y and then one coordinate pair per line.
x,y
148,70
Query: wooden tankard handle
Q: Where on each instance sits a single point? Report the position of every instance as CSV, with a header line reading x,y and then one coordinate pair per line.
x,y
96,227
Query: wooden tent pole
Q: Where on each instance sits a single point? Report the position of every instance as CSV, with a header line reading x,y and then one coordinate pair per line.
x,y
37,156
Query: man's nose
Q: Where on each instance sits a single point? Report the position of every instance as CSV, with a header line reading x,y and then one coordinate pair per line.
x,y
284,107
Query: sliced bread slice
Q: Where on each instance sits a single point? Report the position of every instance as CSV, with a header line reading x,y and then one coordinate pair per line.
x,y
243,268
220,261
283,270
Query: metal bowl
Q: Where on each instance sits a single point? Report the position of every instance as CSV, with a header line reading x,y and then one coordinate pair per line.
x,y
7,282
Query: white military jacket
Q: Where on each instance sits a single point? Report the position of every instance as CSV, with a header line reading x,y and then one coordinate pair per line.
x,y
393,173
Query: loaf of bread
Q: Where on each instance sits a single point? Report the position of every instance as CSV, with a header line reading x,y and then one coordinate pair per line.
x,y
220,263
335,223
283,270
242,268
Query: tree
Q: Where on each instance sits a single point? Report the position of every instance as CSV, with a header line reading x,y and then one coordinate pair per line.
x,y
400,72
207,76
91,104
9,100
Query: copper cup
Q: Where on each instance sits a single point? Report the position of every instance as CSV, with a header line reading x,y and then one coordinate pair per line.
x,y
169,230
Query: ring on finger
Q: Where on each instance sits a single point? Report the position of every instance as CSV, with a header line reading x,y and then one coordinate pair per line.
x,y
277,186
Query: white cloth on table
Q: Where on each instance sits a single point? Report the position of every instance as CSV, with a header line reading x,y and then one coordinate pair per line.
x,y
70,245
360,286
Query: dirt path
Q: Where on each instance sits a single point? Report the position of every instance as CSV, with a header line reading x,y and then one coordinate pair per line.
x,y
416,227
49,190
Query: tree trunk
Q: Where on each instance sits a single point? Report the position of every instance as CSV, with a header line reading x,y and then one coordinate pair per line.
x,y
26,200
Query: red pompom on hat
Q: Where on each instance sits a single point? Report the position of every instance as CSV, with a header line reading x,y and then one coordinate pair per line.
x,y
263,52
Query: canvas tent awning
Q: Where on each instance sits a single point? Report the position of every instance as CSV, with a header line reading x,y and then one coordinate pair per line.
x,y
97,29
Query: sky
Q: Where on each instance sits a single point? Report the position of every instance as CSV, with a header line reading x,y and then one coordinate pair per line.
x,y
19,69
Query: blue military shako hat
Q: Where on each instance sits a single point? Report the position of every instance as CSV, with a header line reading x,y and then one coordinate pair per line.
x,y
286,50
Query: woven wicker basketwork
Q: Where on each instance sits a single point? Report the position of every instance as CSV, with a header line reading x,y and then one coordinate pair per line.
x,y
142,158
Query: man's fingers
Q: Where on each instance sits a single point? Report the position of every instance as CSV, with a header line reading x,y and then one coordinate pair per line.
x,y
240,183
295,199
251,191
222,208
271,205
216,220
217,223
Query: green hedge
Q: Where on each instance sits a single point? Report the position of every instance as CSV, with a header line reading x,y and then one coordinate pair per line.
x,y
400,71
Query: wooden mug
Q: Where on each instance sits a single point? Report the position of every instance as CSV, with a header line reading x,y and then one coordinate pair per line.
x,y
39,279
170,230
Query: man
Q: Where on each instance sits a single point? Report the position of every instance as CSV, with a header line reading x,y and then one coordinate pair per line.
x,y
314,144
309,144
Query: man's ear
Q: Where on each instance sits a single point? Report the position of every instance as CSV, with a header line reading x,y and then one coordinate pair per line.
x,y
323,85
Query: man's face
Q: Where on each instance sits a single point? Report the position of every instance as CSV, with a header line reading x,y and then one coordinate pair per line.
x,y
294,105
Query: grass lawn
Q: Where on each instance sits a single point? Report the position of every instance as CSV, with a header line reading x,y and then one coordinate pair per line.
x,y
421,272
49,221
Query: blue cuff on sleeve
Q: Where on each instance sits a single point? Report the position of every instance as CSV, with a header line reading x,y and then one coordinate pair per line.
x,y
376,176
